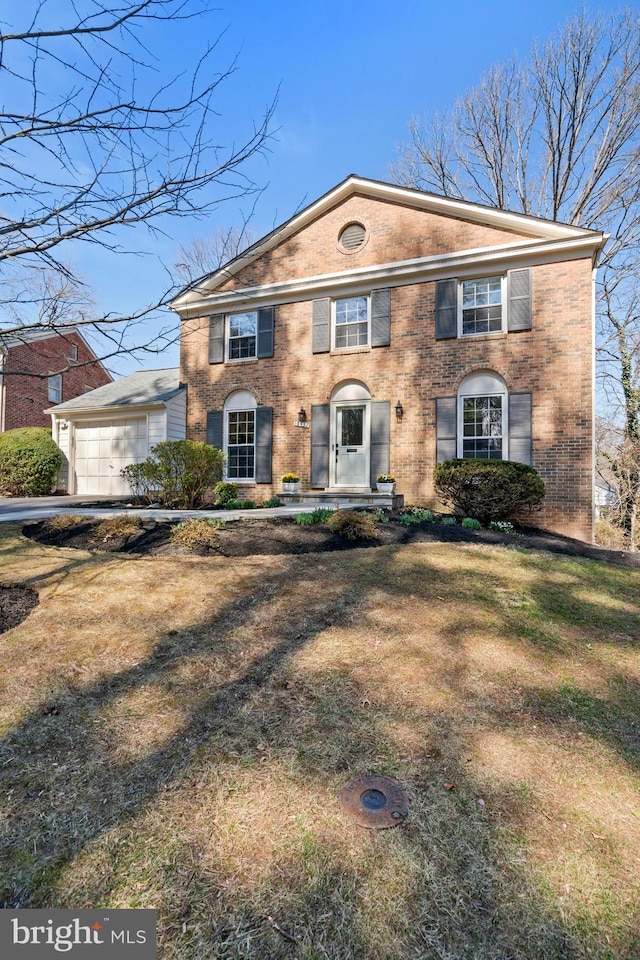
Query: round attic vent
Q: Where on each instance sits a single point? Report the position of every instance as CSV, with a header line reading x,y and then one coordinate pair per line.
x,y
352,237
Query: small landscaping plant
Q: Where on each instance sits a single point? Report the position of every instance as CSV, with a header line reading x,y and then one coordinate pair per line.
x,y
273,502
29,462
503,526
223,492
196,532
470,523
385,478
290,478
417,515
117,528
140,479
319,515
380,516
488,489
63,521
448,521
240,505
353,525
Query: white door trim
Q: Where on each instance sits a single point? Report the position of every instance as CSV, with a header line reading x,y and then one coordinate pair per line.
x,y
337,405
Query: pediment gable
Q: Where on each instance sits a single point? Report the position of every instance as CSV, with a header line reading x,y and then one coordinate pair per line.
x,y
402,230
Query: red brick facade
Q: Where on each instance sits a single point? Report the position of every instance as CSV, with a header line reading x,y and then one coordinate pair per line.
x,y
25,397
553,361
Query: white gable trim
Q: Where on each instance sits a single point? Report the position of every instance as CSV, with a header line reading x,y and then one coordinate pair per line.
x,y
460,209
401,273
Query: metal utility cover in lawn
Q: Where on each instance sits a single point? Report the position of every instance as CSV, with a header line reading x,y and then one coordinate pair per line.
x,y
375,802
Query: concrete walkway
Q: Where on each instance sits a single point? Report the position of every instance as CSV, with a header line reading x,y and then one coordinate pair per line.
x,y
13,509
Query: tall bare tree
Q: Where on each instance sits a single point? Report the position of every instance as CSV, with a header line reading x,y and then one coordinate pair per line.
x,y
96,140
558,136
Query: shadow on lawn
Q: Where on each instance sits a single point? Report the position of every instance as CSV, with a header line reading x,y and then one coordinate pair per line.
x,y
457,896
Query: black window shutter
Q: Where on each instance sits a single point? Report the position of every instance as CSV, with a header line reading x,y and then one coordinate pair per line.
x,y
519,293
380,318
446,428
265,331
321,326
446,309
380,438
520,433
320,445
264,430
214,428
216,338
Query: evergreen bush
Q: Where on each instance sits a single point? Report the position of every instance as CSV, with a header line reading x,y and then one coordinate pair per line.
x,y
29,462
488,490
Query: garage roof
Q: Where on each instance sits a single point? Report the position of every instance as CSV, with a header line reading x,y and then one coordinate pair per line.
x,y
139,389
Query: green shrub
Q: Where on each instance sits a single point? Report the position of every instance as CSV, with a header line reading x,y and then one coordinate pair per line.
x,y
380,516
240,505
470,523
488,489
304,519
448,521
196,532
29,462
141,482
273,502
224,492
179,471
353,525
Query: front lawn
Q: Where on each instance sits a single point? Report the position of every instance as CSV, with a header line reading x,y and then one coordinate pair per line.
x,y
176,730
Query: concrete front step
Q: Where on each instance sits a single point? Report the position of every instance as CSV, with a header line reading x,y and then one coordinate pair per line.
x,y
342,498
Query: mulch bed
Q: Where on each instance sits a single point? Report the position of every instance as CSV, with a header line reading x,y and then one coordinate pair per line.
x,y
247,537
16,603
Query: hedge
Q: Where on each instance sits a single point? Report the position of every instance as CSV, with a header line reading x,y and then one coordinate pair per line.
x,y
29,462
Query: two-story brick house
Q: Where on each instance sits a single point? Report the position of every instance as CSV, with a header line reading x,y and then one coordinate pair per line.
x,y
384,329
39,368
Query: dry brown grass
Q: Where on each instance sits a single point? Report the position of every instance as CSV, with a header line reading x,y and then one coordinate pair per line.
x,y
119,527
63,521
196,532
176,732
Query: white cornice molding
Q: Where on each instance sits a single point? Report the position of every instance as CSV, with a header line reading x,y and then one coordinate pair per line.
x,y
536,227
400,273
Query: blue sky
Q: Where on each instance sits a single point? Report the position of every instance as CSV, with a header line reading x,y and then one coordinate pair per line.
x,y
350,75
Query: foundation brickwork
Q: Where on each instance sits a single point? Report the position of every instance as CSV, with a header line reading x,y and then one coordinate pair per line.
x,y
553,360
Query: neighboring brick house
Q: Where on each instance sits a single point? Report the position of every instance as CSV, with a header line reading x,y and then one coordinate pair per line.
x,y
39,368
409,328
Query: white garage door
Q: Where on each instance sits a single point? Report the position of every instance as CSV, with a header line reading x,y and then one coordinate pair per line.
x,y
103,448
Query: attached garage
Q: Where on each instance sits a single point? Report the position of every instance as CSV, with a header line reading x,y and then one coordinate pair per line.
x,y
109,428
103,448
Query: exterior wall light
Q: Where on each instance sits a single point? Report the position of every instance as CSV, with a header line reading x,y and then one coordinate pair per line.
x,y
399,411
302,415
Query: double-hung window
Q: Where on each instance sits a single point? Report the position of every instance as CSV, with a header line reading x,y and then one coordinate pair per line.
x,y
242,335
54,388
351,322
481,305
241,448
482,427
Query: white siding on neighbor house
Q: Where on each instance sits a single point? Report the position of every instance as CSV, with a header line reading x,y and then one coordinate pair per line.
x,y
177,417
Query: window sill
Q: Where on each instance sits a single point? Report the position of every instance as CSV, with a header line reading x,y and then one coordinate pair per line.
x,y
483,336
345,351
243,360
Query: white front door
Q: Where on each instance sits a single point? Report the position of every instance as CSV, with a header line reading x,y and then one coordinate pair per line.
x,y
351,445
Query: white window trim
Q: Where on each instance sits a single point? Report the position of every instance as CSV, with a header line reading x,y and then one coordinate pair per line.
x,y
239,402
227,337
57,377
487,381
73,353
503,303
360,346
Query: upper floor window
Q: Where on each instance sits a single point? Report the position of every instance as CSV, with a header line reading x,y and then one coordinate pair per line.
x,y
481,305
54,388
73,352
351,322
242,335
